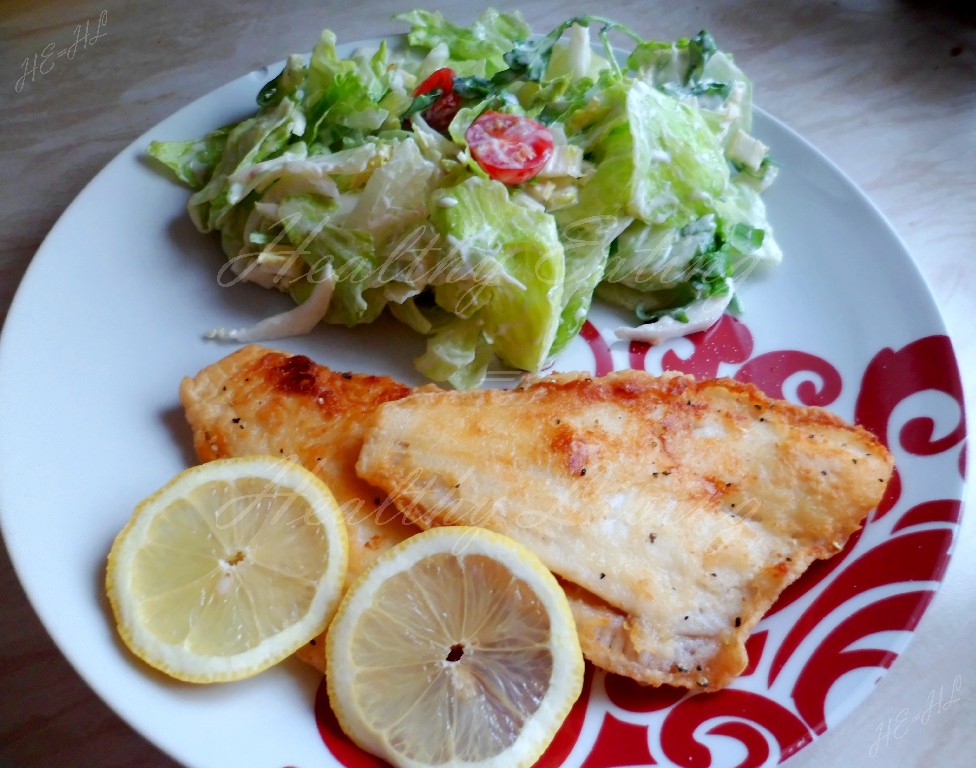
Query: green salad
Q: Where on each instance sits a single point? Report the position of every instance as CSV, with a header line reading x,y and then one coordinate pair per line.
x,y
484,184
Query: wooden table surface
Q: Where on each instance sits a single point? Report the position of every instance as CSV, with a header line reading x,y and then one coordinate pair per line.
x,y
887,90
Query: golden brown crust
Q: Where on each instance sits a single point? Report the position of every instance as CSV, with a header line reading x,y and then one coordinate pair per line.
x,y
571,434
677,509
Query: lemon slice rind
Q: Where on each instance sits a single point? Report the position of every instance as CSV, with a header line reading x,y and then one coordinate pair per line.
x,y
565,680
179,661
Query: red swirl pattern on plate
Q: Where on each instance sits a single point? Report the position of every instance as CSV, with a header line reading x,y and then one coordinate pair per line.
x,y
339,745
831,659
850,615
602,358
619,743
917,557
892,376
935,511
743,715
728,341
770,372
634,697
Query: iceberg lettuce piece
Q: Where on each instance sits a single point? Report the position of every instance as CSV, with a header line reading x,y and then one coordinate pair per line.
x,y
411,315
192,162
741,209
249,142
656,158
695,72
487,40
656,271
658,167
697,316
323,245
586,243
576,58
458,353
654,258
341,99
520,316
287,84
735,108
290,173
394,200
679,166
293,322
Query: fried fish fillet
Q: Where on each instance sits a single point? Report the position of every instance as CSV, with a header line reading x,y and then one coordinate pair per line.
x,y
674,511
260,401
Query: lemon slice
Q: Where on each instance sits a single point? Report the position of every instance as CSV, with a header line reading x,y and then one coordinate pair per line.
x,y
228,568
456,648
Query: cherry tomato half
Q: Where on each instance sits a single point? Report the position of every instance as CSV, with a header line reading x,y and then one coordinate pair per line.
x,y
442,78
510,148
439,114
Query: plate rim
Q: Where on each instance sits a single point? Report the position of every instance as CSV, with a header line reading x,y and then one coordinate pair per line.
x,y
136,147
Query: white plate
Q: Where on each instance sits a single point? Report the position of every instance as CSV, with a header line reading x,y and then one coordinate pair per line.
x,y
110,316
